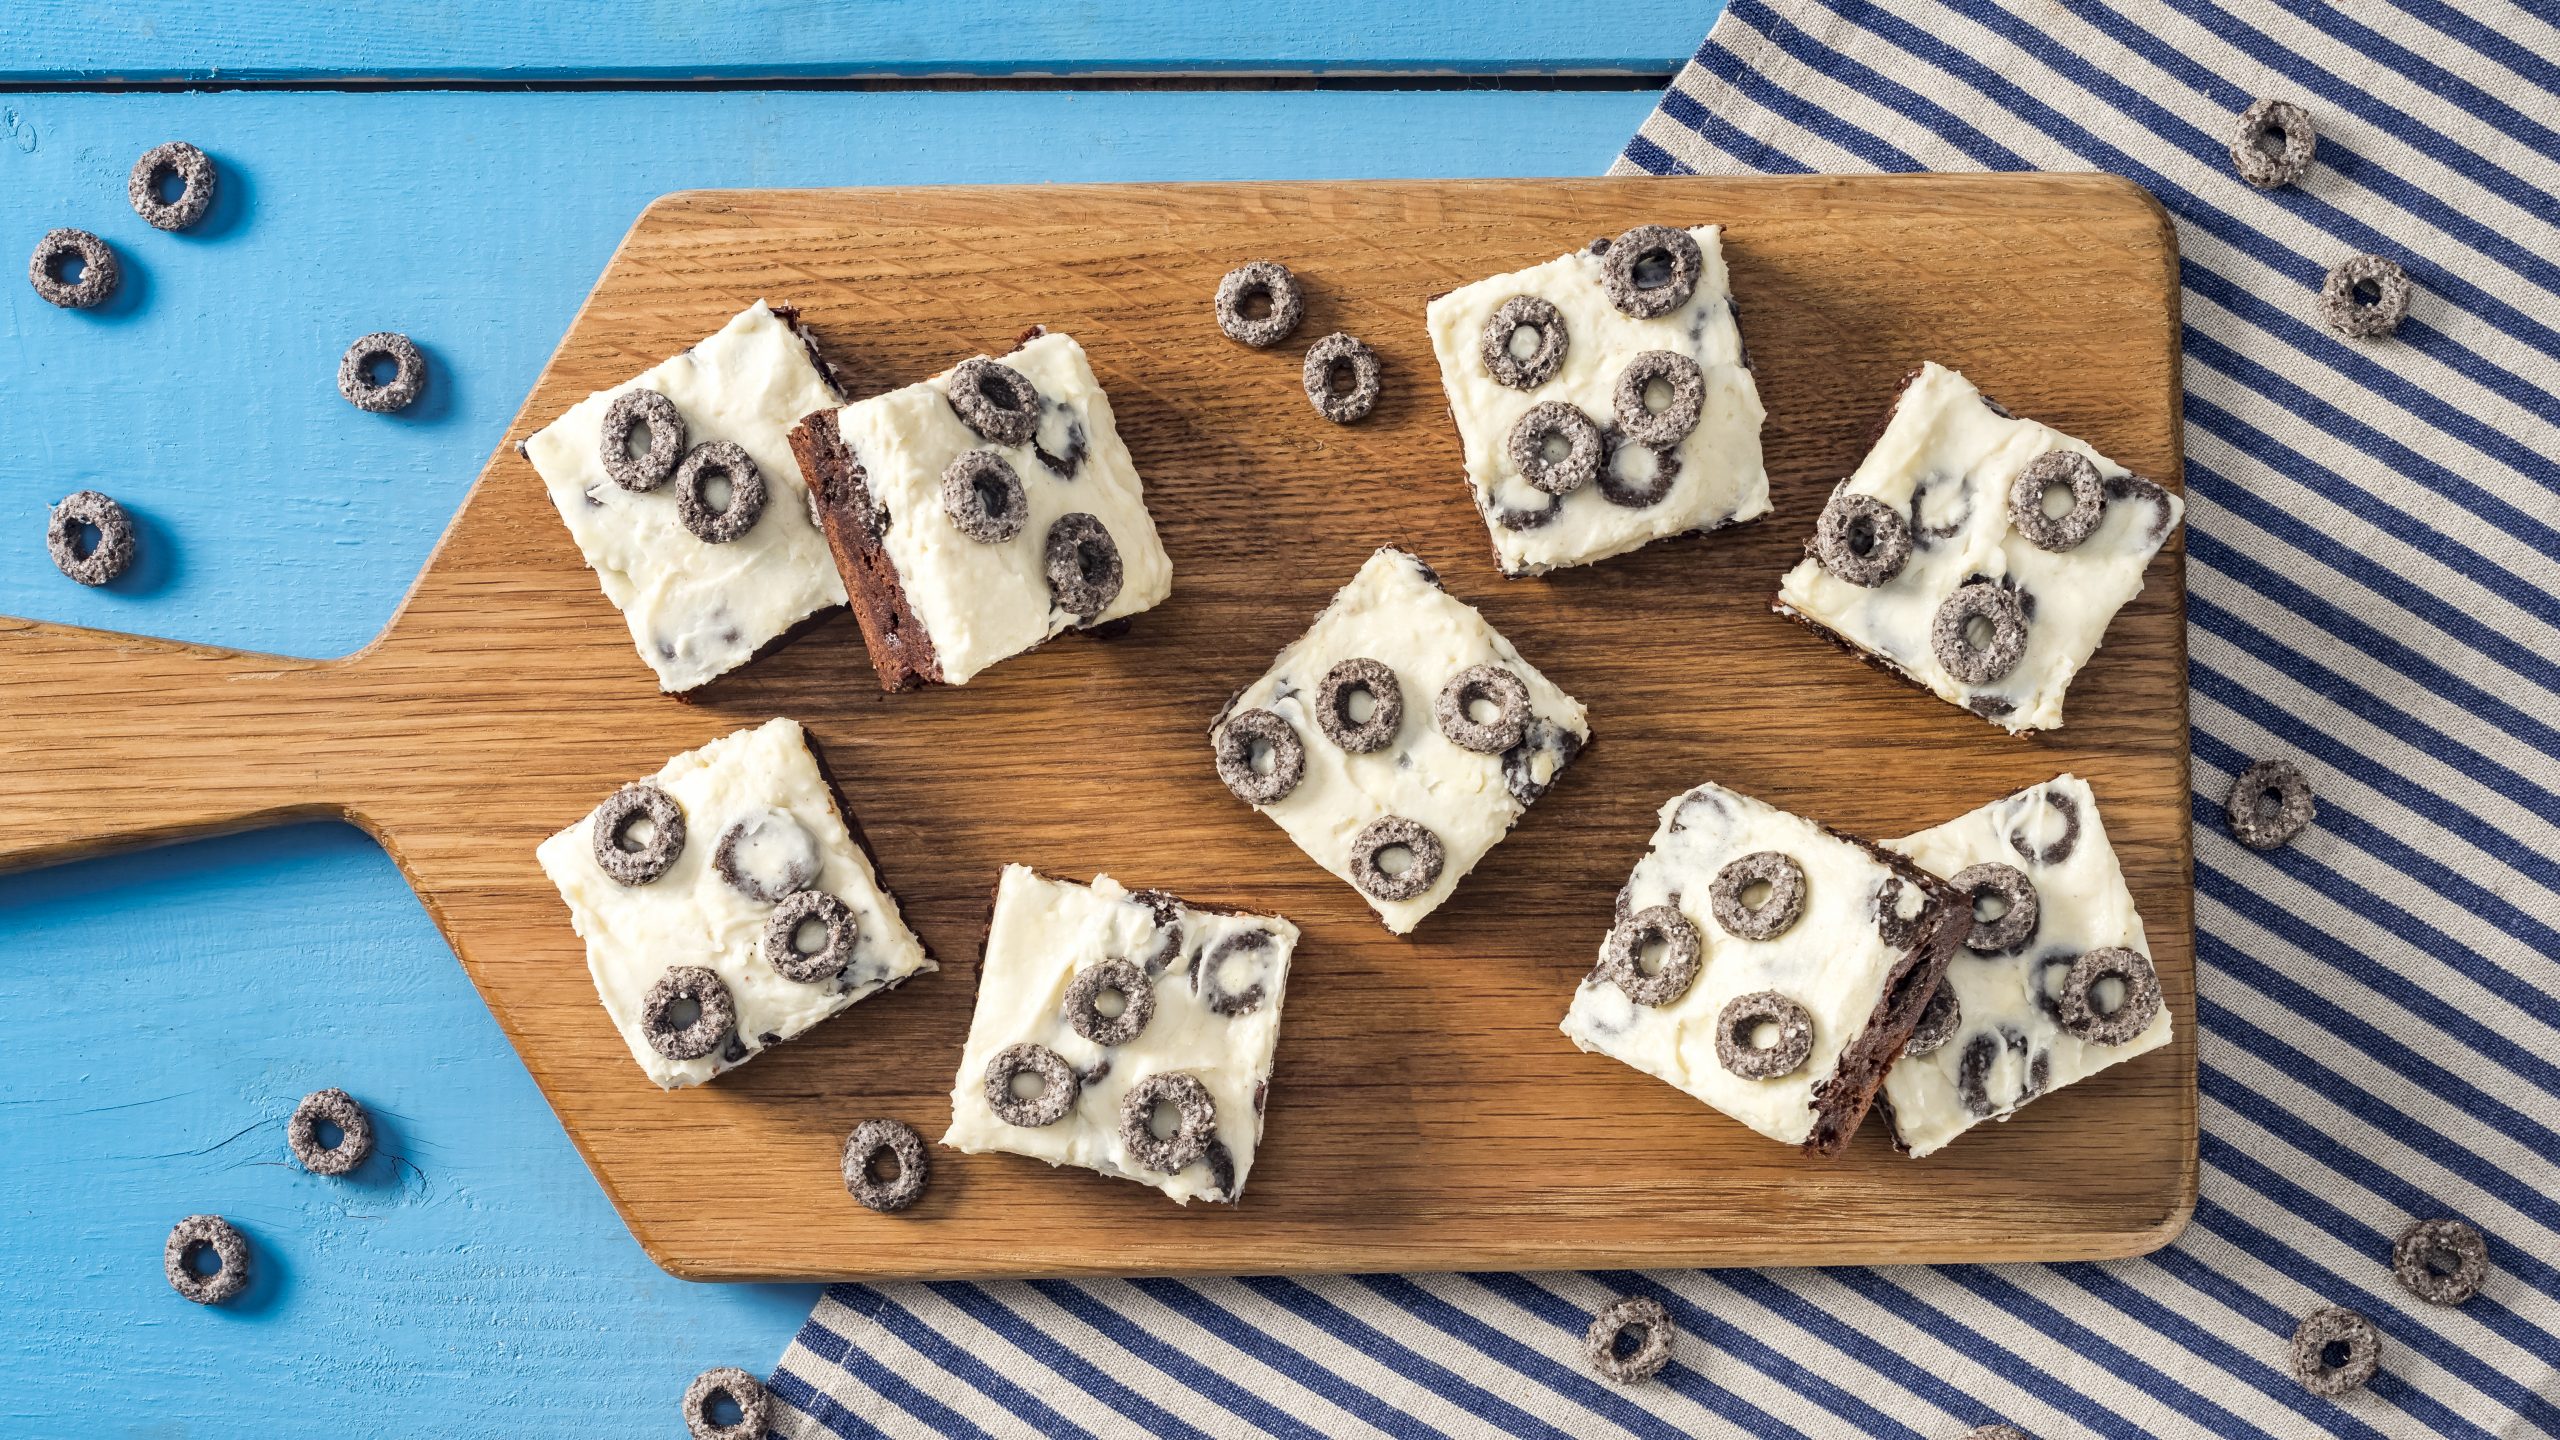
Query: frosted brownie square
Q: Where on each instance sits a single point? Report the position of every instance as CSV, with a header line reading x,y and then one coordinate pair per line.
x,y
1129,1033
1399,739
1767,966
2054,982
1978,554
725,905
691,513
981,512
1604,398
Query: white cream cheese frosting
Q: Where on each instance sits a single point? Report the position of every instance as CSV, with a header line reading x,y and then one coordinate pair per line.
x,y
1833,960
2009,1046
1945,462
1046,933
765,779
1720,480
1394,612
696,610
978,602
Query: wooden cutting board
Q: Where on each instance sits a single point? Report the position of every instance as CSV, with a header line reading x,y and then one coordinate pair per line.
x,y
1427,1114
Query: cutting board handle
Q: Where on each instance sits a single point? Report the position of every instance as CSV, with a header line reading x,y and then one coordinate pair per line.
x,y
110,741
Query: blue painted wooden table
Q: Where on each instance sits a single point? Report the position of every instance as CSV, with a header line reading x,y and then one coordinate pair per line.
x,y
171,1006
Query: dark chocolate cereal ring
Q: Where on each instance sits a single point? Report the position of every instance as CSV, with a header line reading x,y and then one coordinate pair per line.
x,y
994,399
1083,565
194,172
1340,352
715,1013
336,1108
1776,1060
2057,533
1939,1021
1390,832
1861,539
2346,306
1950,638
99,270
1654,1334
863,1148
107,557
1235,746
2269,804
744,1391
1770,918
1508,518
1622,955
727,460
1195,1123
1125,978
1058,1086
612,825
191,1237
2272,166
641,408
2442,1262
800,861
2016,924
781,944
1495,685
1272,281
1672,423
408,372
2060,850
1643,494
1386,697
2360,1357
2077,1005
1209,978
984,497
1539,318
1651,270
1555,474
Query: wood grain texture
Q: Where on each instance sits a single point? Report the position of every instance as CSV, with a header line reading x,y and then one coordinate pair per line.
x,y
1427,1113
309,41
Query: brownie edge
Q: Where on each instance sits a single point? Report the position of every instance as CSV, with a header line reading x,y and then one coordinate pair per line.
x,y
901,652
1841,1103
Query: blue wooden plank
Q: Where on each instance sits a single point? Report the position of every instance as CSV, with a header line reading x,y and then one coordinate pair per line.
x,y
299,40
170,1007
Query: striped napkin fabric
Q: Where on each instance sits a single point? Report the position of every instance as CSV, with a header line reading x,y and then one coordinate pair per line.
x,y
2374,559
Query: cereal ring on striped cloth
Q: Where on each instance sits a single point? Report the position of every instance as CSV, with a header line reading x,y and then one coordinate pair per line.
x,y
2272,166
2348,308
2269,804
1650,1351
2442,1262
2357,1343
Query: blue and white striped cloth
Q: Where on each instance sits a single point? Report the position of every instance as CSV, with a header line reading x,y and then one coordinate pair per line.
x,y
2374,542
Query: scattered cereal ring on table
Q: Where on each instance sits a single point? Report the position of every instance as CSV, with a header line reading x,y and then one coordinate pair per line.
x,y
1280,292
335,1108
194,172
55,253
91,561
863,1149
741,1389
192,1237
1341,356
408,373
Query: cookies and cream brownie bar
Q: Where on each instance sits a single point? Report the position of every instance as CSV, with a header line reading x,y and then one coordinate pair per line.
x,y
1604,398
983,511
2054,981
1767,966
1127,1032
725,905
1399,739
1978,554
679,488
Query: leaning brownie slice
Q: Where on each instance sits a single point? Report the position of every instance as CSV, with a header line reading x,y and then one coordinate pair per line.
x,y
979,513
1977,554
726,906
1129,1033
1604,399
1399,739
1767,966
2054,982
690,512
